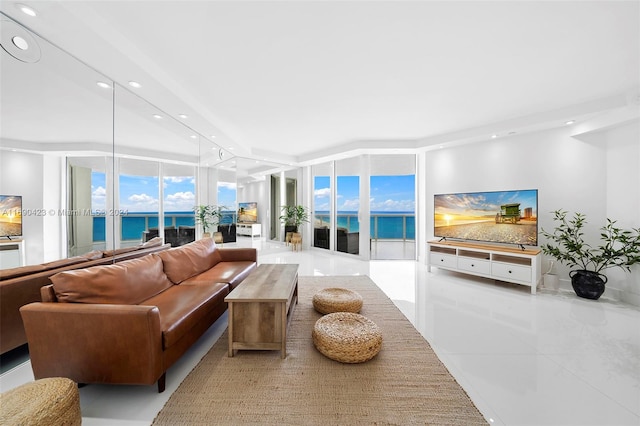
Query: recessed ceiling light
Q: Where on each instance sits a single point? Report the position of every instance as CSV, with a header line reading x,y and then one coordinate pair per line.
x,y
157,116
193,136
135,84
213,136
183,116
26,10
20,43
569,122
103,85
231,148
494,136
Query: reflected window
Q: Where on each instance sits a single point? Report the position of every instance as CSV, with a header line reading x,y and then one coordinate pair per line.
x,y
227,200
99,206
139,205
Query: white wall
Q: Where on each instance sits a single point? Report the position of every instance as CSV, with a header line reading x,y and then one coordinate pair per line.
x,y
22,174
579,175
623,197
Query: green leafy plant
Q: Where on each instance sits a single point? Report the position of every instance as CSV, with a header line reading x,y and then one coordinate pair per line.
x,y
208,216
618,247
294,215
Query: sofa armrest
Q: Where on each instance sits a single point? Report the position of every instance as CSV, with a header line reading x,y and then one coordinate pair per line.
x,y
238,253
94,343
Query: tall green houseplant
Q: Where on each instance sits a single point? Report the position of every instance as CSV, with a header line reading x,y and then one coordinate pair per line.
x,y
208,216
618,248
294,216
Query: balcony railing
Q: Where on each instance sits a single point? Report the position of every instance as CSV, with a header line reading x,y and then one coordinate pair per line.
x,y
382,226
133,225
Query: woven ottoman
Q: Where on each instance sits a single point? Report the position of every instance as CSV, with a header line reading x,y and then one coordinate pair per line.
x,y
333,299
347,337
51,401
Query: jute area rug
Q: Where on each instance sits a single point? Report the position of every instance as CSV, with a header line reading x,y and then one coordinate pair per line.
x,y
404,384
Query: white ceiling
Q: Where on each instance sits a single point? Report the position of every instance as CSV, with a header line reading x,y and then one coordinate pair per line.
x,y
299,81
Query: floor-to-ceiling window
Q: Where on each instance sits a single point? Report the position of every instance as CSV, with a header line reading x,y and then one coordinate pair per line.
x,y
392,207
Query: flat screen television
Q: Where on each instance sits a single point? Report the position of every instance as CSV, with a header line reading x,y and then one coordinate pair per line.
x,y
248,212
10,216
509,217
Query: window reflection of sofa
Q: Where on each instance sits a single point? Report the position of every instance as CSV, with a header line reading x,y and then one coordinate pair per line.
x,y
186,235
321,237
348,242
173,236
228,232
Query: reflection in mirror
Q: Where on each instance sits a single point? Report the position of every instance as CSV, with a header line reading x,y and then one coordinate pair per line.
x,y
51,107
322,205
217,187
156,162
280,199
87,194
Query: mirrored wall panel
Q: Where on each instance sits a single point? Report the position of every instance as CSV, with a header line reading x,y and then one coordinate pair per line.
x,y
53,108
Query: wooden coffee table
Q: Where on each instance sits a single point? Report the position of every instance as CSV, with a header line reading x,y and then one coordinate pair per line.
x,y
261,307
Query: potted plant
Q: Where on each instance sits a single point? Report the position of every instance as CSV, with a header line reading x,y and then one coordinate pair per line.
x,y
208,216
618,248
294,216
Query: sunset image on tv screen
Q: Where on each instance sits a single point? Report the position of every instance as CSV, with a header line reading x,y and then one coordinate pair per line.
x,y
497,216
10,216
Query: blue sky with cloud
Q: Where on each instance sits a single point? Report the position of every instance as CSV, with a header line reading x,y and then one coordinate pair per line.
x,y
388,193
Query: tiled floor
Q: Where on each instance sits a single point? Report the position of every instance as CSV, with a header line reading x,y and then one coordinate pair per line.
x,y
548,359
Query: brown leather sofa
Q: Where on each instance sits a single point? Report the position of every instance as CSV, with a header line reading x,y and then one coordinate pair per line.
x,y
127,323
21,285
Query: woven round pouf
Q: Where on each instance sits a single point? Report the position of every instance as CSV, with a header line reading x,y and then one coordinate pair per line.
x,y
51,401
347,337
331,300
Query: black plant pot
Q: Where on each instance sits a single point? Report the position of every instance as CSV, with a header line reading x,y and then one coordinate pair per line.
x,y
588,284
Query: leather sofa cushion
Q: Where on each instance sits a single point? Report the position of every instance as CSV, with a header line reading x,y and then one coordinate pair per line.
x,y
232,273
93,255
129,282
181,263
154,242
20,271
111,253
182,307
64,262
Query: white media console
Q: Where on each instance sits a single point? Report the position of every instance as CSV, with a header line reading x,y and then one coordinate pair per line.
x,y
508,264
249,229
12,253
